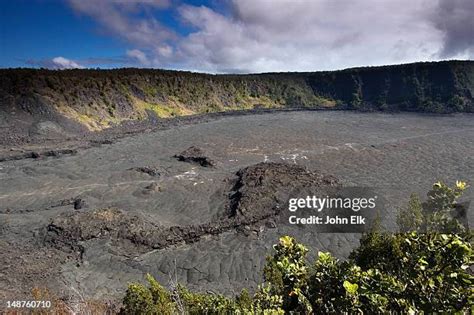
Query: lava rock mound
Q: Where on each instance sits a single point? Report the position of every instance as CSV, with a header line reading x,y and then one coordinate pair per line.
x,y
256,197
261,190
69,229
195,155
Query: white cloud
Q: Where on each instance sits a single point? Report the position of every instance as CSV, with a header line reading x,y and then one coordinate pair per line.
x,y
165,51
121,18
64,63
139,56
283,35
302,35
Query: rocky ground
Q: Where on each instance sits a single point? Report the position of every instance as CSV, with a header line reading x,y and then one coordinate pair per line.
x,y
200,198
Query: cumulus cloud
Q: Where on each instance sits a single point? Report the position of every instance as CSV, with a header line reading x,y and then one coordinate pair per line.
x,y
121,18
302,35
64,63
139,56
56,63
283,35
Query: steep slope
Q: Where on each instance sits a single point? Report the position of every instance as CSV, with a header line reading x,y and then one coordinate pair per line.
x,y
98,99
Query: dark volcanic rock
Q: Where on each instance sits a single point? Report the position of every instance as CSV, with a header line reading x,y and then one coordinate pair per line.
x,y
68,229
57,153
195,155
79,204
257,196
152,171
37,155
262,189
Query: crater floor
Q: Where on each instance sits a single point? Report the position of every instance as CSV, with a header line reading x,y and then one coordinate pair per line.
x,y
396,153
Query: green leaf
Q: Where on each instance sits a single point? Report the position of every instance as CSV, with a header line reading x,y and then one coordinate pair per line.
x,y
351,288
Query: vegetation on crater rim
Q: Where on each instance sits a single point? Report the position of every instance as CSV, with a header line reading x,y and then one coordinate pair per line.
x,y
101,98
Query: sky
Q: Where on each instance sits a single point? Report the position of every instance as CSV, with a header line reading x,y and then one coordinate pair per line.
x,y
233,36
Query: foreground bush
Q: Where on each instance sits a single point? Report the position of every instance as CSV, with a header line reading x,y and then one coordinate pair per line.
x,y
419,270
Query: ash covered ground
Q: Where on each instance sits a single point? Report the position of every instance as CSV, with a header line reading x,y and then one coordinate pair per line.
x,y
201,201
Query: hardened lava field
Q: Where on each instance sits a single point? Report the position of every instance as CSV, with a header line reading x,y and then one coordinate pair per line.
x,y
94,218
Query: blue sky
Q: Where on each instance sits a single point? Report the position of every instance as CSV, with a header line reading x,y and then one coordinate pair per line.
x,y
46,29
39,30
233,35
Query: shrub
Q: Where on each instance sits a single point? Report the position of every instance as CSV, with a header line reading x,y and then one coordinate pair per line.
x,y
410,218
439,213
153,299
286,274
